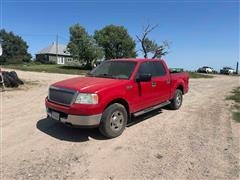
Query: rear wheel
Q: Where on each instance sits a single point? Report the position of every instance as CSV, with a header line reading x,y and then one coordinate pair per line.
x,y
113,120
176,102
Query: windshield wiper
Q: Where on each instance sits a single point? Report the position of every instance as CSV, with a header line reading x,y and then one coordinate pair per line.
x,y
106,75
89,74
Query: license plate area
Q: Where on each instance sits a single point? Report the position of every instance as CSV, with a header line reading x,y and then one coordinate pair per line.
x,y
55,115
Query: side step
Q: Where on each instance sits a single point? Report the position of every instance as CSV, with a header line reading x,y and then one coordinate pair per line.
x,y
151,109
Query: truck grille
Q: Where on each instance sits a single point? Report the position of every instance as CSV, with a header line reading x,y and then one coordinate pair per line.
x,y
61,96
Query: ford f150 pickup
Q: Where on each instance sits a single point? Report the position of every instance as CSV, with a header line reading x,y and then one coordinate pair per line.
x,y
114,92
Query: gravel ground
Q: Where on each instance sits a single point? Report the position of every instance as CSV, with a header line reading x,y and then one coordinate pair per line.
x,y
199,141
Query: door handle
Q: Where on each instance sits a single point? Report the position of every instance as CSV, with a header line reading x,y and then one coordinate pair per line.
x,y
168,81
154,84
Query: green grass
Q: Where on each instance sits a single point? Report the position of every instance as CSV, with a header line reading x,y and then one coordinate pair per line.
x,y
236,116
195,75
49,68
235,96
54,68
236,106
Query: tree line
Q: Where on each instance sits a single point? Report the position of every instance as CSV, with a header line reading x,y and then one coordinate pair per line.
x,y
15,49
109,42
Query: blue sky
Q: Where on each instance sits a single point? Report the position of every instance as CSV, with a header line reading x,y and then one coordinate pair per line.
x,y
201,32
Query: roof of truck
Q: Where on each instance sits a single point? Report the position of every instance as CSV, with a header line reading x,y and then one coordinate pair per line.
x,y
136,59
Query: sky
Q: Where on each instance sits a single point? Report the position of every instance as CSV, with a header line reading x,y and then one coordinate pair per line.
x,y
201,32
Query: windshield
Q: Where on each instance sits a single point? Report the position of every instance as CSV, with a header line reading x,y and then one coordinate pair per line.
x,y
114,69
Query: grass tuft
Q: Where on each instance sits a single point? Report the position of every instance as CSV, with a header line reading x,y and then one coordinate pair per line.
x,y
195,75
30,83
235,96
236,116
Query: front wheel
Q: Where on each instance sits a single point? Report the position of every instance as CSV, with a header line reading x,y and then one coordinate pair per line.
x,y
176,102
114,120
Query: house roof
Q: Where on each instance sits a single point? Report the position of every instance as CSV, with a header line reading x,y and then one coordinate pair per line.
x,y
53,49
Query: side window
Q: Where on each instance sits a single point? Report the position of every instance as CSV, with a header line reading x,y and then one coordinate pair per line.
x,y
155,68
159,69
145,68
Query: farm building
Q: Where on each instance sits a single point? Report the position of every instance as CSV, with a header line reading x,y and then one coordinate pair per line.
x,y
56,53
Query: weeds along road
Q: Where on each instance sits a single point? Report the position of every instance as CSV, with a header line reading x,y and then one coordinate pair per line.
x,y
199,141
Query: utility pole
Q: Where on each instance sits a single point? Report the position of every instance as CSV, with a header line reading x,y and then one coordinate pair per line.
x,y
57,47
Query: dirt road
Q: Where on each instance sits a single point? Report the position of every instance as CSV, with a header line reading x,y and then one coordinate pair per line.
x,y
199,141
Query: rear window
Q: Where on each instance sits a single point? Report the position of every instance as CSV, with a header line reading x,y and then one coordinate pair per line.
x,y
154,68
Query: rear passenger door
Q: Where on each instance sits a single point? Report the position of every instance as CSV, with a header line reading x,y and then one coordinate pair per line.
x,y
160,82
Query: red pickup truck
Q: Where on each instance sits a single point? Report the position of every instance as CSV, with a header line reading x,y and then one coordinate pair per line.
x,y
115,91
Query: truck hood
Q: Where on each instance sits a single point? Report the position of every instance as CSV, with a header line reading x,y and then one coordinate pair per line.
x,y
88,84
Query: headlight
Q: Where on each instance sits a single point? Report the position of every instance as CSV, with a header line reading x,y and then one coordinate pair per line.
x,y
86,98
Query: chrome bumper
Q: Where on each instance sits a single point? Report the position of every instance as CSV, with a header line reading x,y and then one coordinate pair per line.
x,y
93,120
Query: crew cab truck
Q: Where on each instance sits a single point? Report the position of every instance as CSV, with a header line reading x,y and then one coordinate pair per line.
x,y
114,92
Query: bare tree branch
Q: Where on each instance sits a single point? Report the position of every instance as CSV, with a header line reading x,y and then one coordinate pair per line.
x,y
160,51
147,30
141,40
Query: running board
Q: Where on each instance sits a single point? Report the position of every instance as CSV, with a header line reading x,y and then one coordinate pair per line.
x,y
151,109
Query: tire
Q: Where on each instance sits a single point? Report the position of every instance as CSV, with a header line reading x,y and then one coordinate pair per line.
x,y
15,76
176,102
12,80
9,81
114,120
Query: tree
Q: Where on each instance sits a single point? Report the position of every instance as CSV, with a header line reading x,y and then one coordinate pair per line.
x,y
116,42
150,46
14,48
82,46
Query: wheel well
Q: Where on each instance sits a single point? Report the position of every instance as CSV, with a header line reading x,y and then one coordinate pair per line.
x,y
180,87
122,102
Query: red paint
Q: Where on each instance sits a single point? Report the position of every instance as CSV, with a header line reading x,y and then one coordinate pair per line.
x,y
142,95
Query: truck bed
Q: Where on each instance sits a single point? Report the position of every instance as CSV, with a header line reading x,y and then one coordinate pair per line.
x,y
177,77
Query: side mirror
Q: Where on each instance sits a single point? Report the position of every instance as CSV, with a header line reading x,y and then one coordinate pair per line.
x,y
144,78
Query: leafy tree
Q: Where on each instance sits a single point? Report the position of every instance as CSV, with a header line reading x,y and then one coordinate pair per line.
x,y
150,46
116,42
82,46
14,48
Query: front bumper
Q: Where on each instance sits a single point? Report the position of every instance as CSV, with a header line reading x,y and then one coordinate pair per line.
x,y
77,120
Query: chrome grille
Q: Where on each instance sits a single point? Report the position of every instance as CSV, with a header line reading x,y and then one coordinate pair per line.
x,y
61,96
